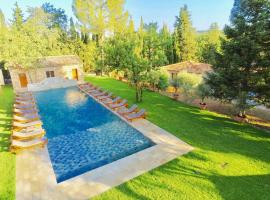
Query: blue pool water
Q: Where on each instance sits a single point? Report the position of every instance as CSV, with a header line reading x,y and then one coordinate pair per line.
x,y
83,135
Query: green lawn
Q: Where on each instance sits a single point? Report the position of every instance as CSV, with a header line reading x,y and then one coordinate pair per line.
x,y
7,160
230,160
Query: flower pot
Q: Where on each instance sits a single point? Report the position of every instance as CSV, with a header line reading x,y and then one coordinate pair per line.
x,y
241,119
175,96
203,106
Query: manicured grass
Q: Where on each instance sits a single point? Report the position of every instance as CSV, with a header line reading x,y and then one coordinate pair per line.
x,y
7,160
230,160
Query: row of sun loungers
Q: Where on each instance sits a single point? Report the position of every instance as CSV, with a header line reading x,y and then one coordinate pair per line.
x,y
114,103
27,128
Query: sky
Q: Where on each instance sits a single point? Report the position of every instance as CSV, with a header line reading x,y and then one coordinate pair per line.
x,y
203,12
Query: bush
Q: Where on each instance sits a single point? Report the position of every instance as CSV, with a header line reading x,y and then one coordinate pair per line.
x,y
163,82
188,83
203,91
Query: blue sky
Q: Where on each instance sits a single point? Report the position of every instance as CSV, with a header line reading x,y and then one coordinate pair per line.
x,y
203,12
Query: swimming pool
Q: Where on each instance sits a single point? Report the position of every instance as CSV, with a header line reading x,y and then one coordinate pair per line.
x,y
84,135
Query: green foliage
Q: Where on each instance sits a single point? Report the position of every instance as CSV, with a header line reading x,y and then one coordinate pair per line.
x,y
185,41
17,15
58,16
203,91
242,72
167,44
163,82
188,83
208,44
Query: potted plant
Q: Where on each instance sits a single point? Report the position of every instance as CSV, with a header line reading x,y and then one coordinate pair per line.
x,y
175,84
203,91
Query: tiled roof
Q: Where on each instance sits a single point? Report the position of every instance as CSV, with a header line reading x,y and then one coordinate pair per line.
x,y
189,66
58,61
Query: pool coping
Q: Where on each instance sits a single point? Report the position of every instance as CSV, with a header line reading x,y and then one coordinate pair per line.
x,y
31,167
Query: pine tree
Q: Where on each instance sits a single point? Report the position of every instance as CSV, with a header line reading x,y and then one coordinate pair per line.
x,y
185,40
72,30
167,43
3,24
242,72
17,20
131,27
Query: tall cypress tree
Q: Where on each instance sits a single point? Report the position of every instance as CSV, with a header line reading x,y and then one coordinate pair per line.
x,y
72,30
242,72
17,20
185,38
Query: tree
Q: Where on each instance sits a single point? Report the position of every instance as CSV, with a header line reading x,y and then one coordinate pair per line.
x,y
188,83
208,44
152,49
242,72
72,30
17,15
122,54
58,16
99,17
185,36
167,43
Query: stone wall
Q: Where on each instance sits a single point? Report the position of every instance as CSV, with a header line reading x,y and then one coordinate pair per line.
x,y
39,74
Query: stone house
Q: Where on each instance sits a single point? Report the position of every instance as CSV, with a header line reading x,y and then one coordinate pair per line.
x,y
189,67
65,67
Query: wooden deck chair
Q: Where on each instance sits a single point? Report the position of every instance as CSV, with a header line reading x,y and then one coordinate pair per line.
x,y
138,115
20,125
124,111
17,145
24,111
21,101
99,94
26,118
104,96
112,101
27,134
25,106
119,104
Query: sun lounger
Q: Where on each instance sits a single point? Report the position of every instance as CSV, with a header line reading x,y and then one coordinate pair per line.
x,y
99,94
25,95
137,115
118,105
20,125
18,101
111,101
24,98
104,96
17,145
24,111
26,118
25,106
93,91
26,134
125,111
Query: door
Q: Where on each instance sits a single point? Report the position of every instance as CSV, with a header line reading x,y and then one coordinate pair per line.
x,y
23,80
74,74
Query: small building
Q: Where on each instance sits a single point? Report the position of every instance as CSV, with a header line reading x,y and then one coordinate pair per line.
x,y
187,66
65,67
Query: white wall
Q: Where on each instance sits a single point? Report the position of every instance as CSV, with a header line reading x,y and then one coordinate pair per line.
x,y
2,82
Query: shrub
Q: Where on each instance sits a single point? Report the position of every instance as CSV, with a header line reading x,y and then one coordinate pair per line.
x,y
188,83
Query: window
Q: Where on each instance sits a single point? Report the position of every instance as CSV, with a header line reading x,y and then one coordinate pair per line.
x,y
49,74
